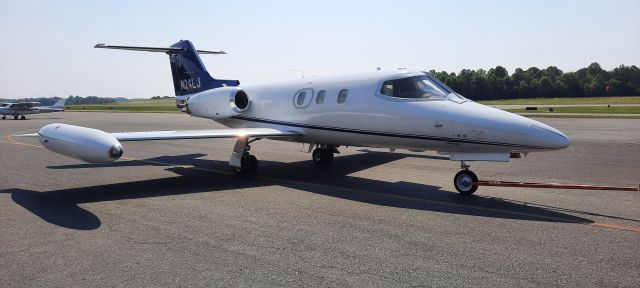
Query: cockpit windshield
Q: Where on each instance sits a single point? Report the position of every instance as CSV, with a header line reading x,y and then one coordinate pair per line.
x,y
415,87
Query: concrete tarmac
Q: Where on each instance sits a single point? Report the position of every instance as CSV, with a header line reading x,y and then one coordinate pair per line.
x,y
523,106
170,213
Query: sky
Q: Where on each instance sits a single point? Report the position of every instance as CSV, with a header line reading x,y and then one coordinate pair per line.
x,y
46,47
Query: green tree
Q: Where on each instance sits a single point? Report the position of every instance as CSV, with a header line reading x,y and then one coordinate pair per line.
x,y
545,87
479,87
559,89
523,90
549,82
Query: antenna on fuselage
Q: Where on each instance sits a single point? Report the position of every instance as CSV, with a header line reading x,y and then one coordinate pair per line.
x,y
301,72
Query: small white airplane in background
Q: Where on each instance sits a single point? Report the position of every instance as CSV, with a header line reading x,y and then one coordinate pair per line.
x,y
396,110
18,110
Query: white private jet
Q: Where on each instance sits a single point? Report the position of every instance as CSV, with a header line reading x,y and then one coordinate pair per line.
x,y
18,110
396,110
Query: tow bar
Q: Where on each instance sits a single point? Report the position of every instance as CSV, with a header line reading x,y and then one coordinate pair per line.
x,y
553,185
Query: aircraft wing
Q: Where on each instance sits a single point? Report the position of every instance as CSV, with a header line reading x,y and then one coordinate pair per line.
x,y
24,105
202,134
96,146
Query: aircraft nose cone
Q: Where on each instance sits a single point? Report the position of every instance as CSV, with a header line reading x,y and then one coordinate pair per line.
x,y
548,137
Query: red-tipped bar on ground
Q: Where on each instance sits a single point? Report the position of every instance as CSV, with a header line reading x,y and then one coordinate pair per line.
x,y
553,185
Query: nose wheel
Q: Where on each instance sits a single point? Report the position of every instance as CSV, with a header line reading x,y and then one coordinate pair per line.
x,y
463,181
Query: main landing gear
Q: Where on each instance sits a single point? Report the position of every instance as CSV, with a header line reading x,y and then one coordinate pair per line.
x,y
241,160
323,154
4,117
463,181
248,164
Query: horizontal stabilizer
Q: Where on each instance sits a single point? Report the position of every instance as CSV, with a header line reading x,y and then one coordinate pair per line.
x,y
169,50
187,70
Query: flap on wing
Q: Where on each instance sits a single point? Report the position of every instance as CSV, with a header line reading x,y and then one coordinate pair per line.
x,y
201,134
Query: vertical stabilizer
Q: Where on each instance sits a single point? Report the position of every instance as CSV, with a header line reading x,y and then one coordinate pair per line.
x,y
189,74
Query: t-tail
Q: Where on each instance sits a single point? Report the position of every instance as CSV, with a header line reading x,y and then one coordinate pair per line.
x,y
189,74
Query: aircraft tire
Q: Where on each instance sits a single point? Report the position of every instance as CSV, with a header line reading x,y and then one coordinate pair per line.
x,y
462,181
317,155
329,155
248,165
23,118
322,156
15,117
253,164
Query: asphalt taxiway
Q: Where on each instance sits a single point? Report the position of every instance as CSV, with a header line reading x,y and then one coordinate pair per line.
x,y
171,213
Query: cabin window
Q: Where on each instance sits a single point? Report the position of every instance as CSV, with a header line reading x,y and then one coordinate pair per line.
x,y
342,96
320,97
303,98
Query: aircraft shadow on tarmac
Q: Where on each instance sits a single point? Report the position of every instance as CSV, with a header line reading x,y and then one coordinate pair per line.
x,y
60,207
9,117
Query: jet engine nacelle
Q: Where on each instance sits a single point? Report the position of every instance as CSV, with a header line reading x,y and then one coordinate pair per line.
x,y
86,144
218,103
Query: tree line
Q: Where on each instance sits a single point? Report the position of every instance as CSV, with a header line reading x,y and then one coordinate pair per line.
x,y
494,84
551,82
71,100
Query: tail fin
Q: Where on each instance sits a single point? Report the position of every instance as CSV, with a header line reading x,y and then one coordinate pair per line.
x,y
59,103
189,74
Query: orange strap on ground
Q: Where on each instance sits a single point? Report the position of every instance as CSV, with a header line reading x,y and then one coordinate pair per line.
x,y
553,185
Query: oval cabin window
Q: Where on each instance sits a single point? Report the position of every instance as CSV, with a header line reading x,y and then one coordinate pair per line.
x,y
303,98
320,97
342,96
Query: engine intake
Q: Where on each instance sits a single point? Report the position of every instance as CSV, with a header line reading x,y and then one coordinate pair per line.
x,y
218,103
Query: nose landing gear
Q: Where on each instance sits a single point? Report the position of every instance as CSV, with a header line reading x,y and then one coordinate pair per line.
x,y
463,181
